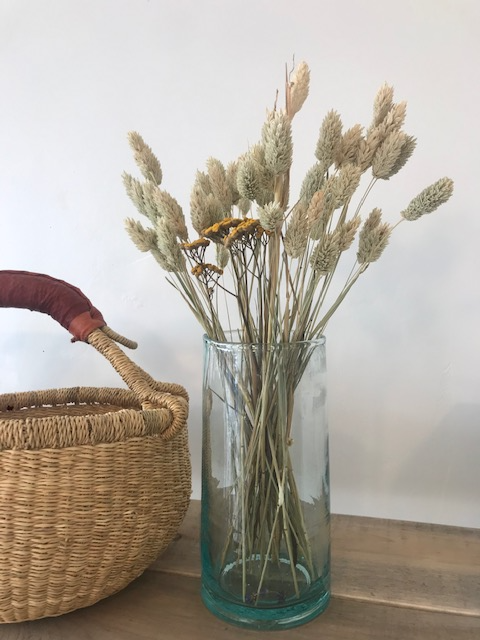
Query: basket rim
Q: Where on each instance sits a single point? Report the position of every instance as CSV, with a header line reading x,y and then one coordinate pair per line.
x,y
74,421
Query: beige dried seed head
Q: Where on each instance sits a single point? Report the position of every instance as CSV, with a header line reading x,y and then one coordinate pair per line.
x,y
218,180
373,220
348,149
266,178
169,208
373,238
347,232
149,190
205,209
277,142
382,104
325,254
248,179
222,255
244,205
346,183
317,230
168,246
202,181
372,244
394,120
387,155
134,190
313,182
329,139
429,199
330,193
146,160
406,152
299,87
271,216
231,177
367,147
162,260
144,239
315,208
296,234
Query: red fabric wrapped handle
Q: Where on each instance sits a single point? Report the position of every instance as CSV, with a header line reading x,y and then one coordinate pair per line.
x,y
63,302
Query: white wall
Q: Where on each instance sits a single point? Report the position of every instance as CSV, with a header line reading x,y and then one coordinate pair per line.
x,y
195,77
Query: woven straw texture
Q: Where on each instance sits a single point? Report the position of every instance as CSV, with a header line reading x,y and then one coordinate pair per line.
x,y
94,484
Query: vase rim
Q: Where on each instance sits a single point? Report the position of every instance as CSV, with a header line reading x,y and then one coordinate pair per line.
x,y
320,340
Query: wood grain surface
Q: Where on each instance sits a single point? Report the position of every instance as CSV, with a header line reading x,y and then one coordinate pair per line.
x,y
391,580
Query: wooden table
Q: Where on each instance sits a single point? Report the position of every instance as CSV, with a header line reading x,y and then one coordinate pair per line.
x,y
391,580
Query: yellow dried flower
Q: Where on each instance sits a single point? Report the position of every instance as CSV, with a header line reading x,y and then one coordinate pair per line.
x,y
220,229
246,227
277,142
299,86
145,158
330,138
206,269
429,199
199,243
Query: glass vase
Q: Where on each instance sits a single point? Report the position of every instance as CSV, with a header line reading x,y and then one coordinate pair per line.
x,y
265,524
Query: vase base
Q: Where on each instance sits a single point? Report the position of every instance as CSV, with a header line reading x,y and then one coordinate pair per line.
x,y
266,619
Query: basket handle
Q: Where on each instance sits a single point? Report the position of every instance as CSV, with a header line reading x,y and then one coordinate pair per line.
x,y
63,302
73,310
151,393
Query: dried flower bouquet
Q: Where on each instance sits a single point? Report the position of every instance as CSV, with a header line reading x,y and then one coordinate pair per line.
x,y
262,267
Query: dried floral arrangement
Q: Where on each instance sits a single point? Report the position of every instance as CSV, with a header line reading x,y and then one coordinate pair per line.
x,y
276,261
262,267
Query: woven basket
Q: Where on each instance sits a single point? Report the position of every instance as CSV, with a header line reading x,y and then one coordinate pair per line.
x,y
94,483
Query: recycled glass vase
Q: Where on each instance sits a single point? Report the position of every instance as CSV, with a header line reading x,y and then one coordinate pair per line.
x,y
265,524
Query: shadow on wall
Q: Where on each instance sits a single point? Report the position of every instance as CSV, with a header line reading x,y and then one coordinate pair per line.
x,y
434,479
447,467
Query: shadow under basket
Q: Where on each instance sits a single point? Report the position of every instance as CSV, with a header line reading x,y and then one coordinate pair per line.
x,y
94,484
